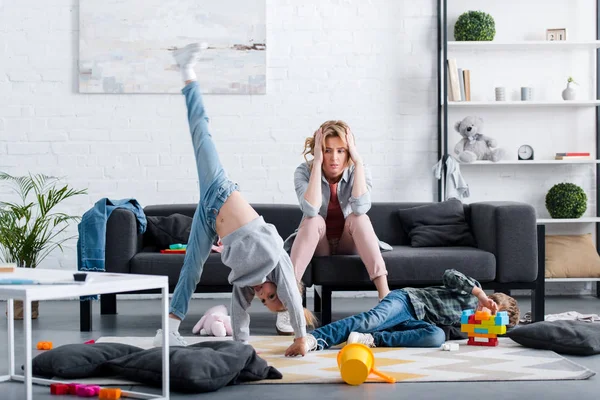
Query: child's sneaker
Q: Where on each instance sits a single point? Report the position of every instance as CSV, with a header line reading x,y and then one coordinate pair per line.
x,y
283,326
363,338
175,339
187,57
311,343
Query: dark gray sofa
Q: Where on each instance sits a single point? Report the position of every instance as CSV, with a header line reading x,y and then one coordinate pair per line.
x,y
505,257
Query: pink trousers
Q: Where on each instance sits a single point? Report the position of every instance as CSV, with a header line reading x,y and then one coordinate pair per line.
x,y
358,237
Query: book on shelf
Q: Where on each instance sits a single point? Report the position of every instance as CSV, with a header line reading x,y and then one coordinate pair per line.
x,y
461,84
573,154
572,158
467,81
453,82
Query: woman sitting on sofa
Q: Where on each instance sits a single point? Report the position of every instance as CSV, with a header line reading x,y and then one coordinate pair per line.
x,y
334,192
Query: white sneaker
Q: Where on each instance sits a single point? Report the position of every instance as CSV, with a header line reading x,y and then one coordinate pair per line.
x,y
175,339
311,343
363,338
283,325
188,55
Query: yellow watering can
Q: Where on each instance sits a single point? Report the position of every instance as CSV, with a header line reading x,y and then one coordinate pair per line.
x,y
356,362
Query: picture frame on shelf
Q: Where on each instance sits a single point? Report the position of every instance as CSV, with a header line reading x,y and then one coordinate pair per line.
x,y
559,34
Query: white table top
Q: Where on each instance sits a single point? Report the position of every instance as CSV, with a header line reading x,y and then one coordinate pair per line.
x,y
96,283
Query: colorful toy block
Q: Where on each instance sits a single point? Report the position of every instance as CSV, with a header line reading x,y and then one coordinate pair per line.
x,y
86,391
110,393
450,347
92,341
44,346
59,388
482,328
73,388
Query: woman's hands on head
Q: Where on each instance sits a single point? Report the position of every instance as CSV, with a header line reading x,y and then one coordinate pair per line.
x,y
352,147
318,147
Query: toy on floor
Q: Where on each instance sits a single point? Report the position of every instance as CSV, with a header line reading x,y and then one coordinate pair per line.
x,y
87,390
91,341
482,327
173,251
59,388
44,345
450,347
356,362
110,393
215,322
178,246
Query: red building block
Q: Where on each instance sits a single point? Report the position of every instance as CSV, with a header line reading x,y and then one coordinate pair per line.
x,y
90,342
473,321
491,342
110,393
73,388
44,346
59,388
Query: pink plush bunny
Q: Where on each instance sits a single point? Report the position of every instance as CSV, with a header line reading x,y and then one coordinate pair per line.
x,y
214,322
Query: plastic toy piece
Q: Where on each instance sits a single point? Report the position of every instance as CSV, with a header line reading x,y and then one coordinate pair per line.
x,y
92,341
44,346
73,388
450,347
59,388
110,393
178,246
482,328
87,391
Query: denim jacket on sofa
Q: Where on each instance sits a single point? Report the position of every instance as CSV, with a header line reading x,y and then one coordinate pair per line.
x,y
92,231
348,203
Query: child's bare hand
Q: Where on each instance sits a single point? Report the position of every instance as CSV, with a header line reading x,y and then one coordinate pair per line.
x,y
298,348
487,303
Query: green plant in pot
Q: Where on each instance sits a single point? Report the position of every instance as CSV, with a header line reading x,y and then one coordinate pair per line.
x,y
566,200
30,227
474,26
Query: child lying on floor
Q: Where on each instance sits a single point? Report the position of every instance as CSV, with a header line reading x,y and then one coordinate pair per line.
x,y
409,317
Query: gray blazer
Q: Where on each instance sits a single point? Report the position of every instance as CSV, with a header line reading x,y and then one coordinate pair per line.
x,y
348,203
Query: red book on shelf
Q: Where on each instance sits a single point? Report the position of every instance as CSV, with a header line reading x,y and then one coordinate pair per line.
x,y
572,154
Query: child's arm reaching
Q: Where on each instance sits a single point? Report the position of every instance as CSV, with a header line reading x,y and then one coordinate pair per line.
x,y
456,281
484,301
241,298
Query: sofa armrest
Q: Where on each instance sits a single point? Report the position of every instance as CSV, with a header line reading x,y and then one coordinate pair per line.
x,y
509,231
122,241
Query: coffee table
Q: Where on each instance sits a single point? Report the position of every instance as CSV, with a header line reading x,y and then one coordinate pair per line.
x,y
57,284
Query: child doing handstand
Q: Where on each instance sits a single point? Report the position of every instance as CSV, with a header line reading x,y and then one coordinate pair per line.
x,y
252,248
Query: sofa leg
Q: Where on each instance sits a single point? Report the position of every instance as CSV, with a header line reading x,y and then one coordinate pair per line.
x,y
317,300
598,289
85,316
326,306
108,304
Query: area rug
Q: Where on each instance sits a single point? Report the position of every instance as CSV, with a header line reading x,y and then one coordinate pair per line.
x,y
507,362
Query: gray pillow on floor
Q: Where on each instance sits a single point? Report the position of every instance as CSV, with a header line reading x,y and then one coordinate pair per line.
x,y
73,361
202,367
565,337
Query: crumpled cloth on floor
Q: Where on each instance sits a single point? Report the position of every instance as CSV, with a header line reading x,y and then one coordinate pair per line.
x,y
565,316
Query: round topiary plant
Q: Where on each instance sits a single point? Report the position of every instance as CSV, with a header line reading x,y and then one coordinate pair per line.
x,y
475,26
566,200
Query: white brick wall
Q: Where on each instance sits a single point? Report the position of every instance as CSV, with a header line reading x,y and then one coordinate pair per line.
x,y
371,63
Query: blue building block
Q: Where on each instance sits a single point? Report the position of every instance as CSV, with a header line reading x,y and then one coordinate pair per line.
x,y
481,330
464,318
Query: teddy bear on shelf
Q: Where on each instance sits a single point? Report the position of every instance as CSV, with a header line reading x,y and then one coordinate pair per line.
x,y
215,322
474,145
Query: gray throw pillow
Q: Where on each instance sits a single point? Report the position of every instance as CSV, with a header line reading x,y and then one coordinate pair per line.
x,y
565,337
73,361
165,231
437,225
202,367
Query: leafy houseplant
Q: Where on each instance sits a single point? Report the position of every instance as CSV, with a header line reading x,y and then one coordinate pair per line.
x,y
474,26
566,200
30,228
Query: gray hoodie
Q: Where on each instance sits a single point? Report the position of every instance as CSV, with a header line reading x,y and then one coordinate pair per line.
x,y
255,255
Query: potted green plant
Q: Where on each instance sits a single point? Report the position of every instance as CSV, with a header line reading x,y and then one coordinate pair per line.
x,y
30,227
474,26
566,200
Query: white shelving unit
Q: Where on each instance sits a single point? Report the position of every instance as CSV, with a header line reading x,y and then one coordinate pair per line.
x,y
527,47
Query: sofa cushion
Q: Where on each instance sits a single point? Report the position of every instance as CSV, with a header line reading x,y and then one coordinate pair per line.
x,y
165,231
201,367
566,337
74,361
437,224
407,266
215,273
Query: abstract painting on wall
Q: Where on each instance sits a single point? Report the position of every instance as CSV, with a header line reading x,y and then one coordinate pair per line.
x,y
126,46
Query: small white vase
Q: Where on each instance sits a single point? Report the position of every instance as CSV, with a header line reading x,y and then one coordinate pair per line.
x,y
569,93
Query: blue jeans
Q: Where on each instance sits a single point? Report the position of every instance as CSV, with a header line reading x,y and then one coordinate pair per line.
x,y
215,188
392,323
